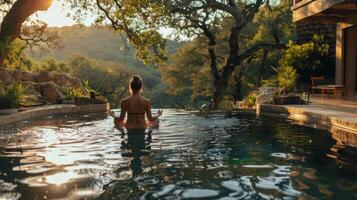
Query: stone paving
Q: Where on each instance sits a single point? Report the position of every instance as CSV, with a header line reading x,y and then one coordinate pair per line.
x,y
337,116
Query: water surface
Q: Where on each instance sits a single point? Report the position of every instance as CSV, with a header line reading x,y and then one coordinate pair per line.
x,y
188,157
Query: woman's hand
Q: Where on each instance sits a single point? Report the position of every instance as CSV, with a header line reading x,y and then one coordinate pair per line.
x,y
159,112
111,113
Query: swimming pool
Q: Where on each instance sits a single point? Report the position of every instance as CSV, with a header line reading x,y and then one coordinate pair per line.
x,y
188,157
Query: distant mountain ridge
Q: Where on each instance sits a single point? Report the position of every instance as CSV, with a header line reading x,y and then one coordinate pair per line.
x,y
98,43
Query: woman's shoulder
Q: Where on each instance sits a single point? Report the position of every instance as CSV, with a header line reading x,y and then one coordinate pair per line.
x,y
125,99
145,99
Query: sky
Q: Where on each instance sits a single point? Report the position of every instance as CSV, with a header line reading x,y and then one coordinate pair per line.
x,y
55,16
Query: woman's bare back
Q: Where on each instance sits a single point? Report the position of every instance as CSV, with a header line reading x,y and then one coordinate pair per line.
x,y
136,106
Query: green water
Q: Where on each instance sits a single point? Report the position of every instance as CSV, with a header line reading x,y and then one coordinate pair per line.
x,y
188,157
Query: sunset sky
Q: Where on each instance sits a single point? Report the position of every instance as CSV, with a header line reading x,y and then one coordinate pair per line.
x,y
56,16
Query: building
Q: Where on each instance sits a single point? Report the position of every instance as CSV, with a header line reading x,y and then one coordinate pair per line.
x,y
343,15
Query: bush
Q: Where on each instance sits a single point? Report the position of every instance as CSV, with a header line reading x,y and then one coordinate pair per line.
x,y
10,95
308,58
72,92
251,99
287,78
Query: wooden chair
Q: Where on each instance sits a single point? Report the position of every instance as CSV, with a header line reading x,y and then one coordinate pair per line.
x,y
325,89
314,85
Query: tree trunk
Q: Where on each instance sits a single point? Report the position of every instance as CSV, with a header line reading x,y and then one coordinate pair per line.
x,y
231,63
261,68
238,85
12,22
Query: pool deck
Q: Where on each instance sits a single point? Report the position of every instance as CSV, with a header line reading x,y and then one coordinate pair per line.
x,y
30,113
335,115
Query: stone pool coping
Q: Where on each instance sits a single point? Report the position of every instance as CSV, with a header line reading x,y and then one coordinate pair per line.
x,y
314,115
47,110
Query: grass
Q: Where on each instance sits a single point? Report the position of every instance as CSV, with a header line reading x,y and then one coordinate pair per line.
x,y
10,95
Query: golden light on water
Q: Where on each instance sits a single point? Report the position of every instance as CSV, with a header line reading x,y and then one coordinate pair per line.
x,y
61,178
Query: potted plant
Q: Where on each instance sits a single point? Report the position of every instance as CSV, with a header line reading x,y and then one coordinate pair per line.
x,y
10,97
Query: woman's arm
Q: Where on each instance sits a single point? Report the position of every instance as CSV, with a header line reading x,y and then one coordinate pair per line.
x,y
122,111
149,114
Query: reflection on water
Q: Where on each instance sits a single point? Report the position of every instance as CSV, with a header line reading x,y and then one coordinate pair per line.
x,y
189,157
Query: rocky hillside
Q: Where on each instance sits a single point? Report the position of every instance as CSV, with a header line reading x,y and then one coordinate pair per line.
x,y
43,87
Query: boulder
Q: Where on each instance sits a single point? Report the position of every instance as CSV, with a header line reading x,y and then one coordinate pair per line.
x,y
45,77
66,80
29,76
16,75
61,79
5,75
50,91
266,95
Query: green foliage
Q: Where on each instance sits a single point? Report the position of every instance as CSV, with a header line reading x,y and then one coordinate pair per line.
x,y
10,95
189,73
308,58
227,104
71,93
272,82
11,50
251,98
52,65
287,77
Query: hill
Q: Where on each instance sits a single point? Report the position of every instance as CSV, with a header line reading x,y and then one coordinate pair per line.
x,y
100,43
103,45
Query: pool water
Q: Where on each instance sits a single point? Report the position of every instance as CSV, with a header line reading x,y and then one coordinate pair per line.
x,y
188,157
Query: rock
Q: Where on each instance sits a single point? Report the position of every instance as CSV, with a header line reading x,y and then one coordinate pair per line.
x,y
45,77
16,75
50,91
5,75
77,83
29,76
266,95
268,90
61,79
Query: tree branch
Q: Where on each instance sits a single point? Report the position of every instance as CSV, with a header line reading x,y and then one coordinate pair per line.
x,y
254,49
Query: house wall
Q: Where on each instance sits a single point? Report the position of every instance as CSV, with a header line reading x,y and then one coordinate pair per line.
x,y
340,43
350,60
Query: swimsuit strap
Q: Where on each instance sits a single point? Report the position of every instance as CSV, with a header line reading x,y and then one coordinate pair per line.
x,y
136,113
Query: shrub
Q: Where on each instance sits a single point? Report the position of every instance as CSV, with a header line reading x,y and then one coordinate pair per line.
x,y
287,78
308,58
251,99
72,92
10,95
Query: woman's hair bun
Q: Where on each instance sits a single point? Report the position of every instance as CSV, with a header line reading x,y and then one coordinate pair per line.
x,y
136,83
136,78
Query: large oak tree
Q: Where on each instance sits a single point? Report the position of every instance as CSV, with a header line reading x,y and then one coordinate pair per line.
x,y
142,21
14,14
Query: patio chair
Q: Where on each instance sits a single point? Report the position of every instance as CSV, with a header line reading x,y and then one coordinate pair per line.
x,y
315,82
319,83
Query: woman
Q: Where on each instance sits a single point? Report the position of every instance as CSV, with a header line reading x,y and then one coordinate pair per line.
x,y
136,106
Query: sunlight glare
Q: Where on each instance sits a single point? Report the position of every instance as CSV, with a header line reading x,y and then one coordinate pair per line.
x,y
56,16
61,178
